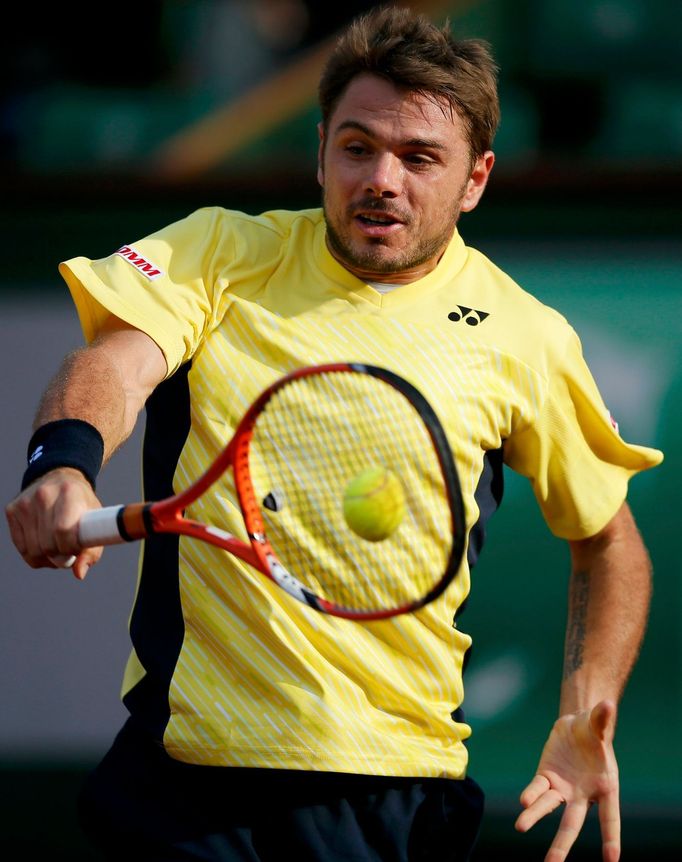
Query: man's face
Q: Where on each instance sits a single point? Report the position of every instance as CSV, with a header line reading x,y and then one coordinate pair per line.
x,y
396,172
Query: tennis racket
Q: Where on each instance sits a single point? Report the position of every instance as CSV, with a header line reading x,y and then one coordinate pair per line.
x,y
290,459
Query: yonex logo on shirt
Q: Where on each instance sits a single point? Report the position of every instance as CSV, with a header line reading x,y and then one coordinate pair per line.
x,y
472,316
148,269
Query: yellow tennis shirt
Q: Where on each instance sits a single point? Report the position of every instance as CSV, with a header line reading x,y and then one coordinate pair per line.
x,y
226,667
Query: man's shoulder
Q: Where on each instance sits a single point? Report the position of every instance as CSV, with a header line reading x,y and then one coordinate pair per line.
x,y
278,221
510,300
503,289
517,322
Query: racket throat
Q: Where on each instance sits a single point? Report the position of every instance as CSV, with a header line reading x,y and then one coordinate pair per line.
x,y
284,579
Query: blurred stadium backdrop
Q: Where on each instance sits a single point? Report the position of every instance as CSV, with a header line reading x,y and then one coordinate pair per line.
x,y
176,105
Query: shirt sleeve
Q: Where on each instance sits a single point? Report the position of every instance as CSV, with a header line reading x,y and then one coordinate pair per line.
x,y
571,451
164,284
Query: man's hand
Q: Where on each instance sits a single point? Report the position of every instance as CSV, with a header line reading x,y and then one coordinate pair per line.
x,y
106,384
577,767
43,521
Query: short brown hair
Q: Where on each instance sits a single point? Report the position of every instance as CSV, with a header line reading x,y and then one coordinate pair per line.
x,y
414,54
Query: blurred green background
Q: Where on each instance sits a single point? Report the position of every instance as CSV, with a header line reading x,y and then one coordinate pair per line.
x,y
99,126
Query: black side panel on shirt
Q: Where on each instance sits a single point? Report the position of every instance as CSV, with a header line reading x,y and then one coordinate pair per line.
x,y
156,626
488,497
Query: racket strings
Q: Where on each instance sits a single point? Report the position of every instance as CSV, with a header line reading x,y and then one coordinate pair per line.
x,y
315,435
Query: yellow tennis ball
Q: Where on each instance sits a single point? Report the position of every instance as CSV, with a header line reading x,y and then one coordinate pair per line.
x,y
374,504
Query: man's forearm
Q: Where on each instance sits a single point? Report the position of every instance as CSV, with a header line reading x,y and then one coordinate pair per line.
x,y
105,384
87,387
608,606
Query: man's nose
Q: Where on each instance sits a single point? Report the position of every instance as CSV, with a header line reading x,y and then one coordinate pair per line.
x,y
385,178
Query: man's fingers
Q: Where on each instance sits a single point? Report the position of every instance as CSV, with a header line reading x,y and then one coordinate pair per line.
x,y
569,828
58,515
24,536
609,822
80,564
542,805
16,531
537,786
44,520
577,767
46,537
62,561
87,558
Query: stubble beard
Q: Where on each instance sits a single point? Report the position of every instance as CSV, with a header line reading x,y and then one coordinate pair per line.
x,y
372,258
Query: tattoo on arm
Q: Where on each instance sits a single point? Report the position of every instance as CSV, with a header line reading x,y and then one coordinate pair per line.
x,y
577,620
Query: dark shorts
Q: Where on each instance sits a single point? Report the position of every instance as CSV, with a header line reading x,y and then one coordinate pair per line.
x,y
141,804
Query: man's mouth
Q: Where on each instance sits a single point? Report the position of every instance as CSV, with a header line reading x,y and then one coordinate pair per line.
x,y
377,224
377,218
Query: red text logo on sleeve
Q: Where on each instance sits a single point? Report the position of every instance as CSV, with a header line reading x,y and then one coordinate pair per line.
x,y
146,267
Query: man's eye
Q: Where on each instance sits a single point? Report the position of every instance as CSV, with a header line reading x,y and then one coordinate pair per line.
x,y
355,149
418,159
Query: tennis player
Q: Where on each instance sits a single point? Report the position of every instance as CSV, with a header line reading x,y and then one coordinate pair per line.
x,y
259,729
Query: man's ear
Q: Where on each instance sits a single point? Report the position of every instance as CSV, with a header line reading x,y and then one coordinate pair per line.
x,y
478,181
320,154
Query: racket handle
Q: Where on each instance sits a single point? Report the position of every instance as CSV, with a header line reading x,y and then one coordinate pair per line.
x,y
100,527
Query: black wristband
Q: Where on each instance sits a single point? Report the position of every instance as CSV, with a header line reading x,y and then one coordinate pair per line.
x,y
64,443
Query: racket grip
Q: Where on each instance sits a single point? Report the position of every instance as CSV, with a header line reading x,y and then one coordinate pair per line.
x,y
100,527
